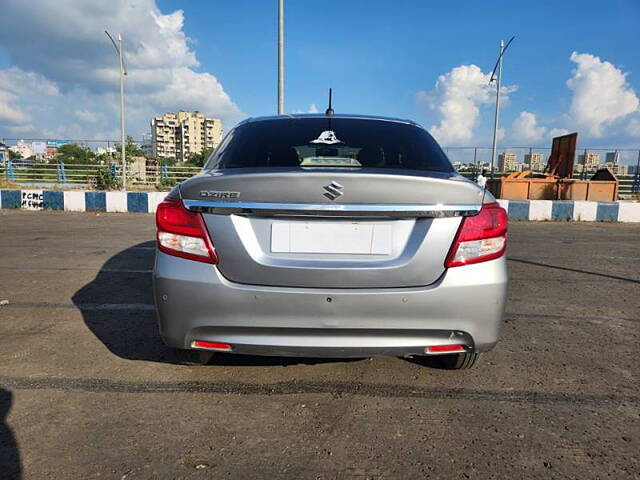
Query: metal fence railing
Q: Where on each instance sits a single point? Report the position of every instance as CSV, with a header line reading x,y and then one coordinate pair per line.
x,y
44,164
94,176
157,176
478,156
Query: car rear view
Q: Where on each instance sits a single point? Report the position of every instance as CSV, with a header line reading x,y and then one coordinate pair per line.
x,y
331,236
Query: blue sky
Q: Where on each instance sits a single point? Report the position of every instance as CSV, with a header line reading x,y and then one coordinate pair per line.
x,y
423,60
378,54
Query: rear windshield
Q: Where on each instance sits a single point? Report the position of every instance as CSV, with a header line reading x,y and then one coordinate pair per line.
x,y
329,143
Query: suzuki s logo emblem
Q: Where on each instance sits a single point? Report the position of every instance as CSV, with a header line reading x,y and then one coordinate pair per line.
x,y
333,190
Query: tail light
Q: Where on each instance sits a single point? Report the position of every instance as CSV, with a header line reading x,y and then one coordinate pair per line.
x,y
183,233
480,237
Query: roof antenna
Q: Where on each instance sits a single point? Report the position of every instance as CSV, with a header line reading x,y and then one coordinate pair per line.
x,y
329,111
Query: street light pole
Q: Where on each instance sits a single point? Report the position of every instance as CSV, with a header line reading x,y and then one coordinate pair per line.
x,y
496,119
123,72
280,57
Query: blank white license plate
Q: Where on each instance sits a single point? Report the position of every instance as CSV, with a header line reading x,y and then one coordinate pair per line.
x,y
331,237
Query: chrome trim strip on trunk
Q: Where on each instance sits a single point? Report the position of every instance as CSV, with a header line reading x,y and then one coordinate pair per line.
x,y
332,209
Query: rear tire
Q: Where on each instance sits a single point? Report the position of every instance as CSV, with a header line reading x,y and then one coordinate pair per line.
x,y
451,361
458,361
193,357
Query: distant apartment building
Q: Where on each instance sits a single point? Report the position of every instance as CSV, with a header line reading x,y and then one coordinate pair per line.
x,y
612,157
589,160
508,162
179,135
535,161
617,168
22,148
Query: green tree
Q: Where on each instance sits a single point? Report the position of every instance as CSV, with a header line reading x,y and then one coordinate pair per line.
x,y
199,159
103,179
75,154
104,158
131,149
170,162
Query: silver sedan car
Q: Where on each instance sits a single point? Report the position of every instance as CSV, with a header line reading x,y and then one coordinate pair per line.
x,y
331,236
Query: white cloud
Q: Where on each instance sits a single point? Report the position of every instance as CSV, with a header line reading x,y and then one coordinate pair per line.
x,y
601,94
633,128
312,109
10,112
558,132
21,129
14,85
457,97
64,66
20,82
86,116
525,128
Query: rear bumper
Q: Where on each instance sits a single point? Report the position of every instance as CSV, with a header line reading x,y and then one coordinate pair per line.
x,y
195,302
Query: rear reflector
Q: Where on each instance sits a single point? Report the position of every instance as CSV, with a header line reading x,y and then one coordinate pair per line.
x,y
444,349
210,345
480,237
183,233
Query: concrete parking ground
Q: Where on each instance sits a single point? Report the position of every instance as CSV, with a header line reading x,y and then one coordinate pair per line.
x,y
87,389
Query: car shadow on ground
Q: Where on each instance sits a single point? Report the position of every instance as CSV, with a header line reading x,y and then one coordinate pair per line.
x,y
117,306
10,465
574,270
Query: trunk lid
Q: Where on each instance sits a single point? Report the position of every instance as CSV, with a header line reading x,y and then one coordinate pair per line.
x,y
280,226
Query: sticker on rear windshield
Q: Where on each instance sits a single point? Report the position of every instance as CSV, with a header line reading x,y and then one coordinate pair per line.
x,y
328,137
